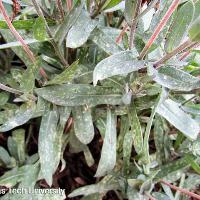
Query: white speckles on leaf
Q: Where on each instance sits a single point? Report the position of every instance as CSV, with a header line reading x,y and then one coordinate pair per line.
x,y
47,136
80,31
108,152
174,79
171,111
83,124
118,64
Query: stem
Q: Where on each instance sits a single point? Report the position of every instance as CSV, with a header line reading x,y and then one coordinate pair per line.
x,y
185,54
184,191
60,7
174,52
9,89
134,23
159,28
54,44
98,9
20,39
69,4
118,39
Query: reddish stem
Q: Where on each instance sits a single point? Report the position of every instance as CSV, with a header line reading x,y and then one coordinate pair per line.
x,y
159,28
119,38
184,191
60,7
19,38
69,4
187,53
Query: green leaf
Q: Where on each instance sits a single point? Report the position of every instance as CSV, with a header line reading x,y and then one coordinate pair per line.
x,y
66,76
160,196
127,149
180,25
172,170
46,145
80,31
6,159
79,94
69,21
174,79
17,44
106,184
4,96
83,124
103,39
19,137
129,12
108,152
14,176
110,4
195,166
19,24
21,116
194,31
159,134
118,64
136,129
159,100
39,29
171,111
92,197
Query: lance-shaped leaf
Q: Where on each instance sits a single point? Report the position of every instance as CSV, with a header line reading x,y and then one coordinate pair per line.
x,y
14,176
180,25
80,31
79,94
19,137
135,129
118,64
105,41
66,76
127,149
5,158
146,156
194,31
130,6
108,153
110,4
39,29
171,111
21,116
69,20
83,124
173,171
106,184
174,79
159,131
46,142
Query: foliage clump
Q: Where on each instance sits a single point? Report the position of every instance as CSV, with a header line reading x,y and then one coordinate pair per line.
x,y
116,82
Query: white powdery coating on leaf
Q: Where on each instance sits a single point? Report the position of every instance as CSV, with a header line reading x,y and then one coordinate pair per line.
x,y
80,31
171,112
108,153
118,64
